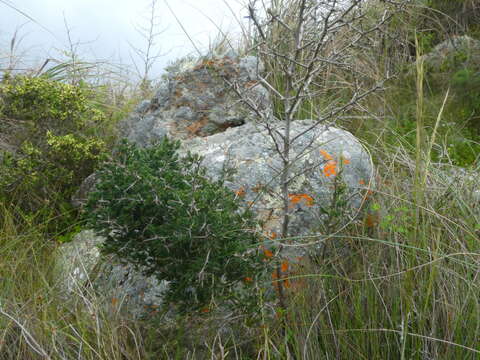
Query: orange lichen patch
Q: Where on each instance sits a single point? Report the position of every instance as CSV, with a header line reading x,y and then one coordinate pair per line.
x,y
368,194
361,182
270,234
195,128
268,254
209,62
296,198
326,155
277,283
177,93
257,188
205,64
330,168
344,160
240,192
372,220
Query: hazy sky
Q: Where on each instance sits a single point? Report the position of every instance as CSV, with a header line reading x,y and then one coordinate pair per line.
x,y
106,27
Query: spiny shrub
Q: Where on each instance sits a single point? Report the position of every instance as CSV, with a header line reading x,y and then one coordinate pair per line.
x,y
161,213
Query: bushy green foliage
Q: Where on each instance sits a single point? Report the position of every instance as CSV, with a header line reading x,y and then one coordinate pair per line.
x,y
50,127
467,82
48,105
160,212
49,175
453,16
458,133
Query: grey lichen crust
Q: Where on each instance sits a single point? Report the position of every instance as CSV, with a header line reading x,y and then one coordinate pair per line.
x,y
119,287
326,162
199,99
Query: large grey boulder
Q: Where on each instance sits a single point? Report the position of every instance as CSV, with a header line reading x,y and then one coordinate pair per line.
x,y
454,52
330,169
199,98
119,287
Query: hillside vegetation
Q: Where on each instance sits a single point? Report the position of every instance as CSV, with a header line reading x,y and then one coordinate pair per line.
x,y
407,288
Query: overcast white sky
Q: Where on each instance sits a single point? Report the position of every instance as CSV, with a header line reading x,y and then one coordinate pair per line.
x,y
106,27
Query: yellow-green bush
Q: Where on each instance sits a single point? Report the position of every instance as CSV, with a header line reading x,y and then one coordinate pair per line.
x,y
41,104
48,176
54,147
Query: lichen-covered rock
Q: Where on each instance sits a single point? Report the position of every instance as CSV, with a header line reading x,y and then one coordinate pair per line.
x,y
80,267
329,175
199,99
197,102
456,51
79,198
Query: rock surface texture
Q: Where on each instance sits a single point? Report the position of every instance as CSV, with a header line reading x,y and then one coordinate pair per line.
x,y
459,50
327,163
330,168
199,99
120,286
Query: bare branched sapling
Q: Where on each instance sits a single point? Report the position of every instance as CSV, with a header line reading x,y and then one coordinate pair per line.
x,y
147,55
301,43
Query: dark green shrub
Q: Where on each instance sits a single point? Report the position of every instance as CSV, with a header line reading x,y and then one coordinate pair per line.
x,y
467,83
161,213
453,16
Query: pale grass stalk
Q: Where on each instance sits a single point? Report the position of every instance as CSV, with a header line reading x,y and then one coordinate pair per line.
x,y
310,329
29,338
475,351
420,136
433,137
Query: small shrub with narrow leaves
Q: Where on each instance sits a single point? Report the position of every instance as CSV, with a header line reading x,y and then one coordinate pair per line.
x,y
160,212
41,104
46,177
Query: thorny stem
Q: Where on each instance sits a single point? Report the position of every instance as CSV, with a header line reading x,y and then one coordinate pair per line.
x,y
305,32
